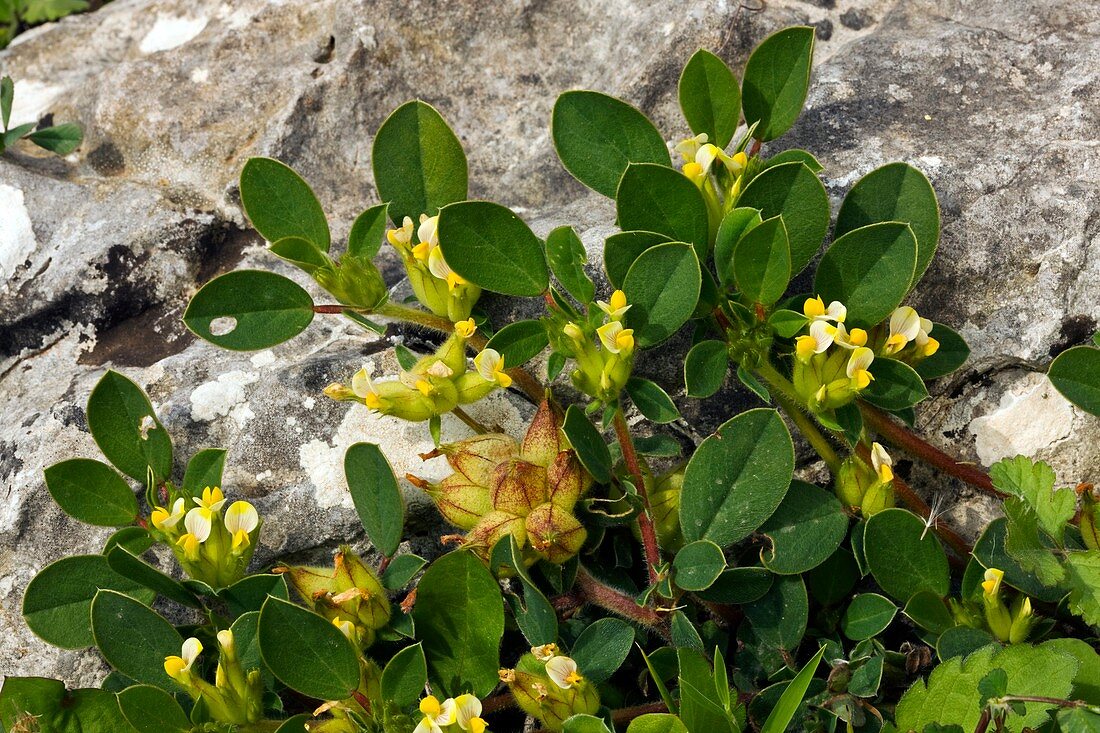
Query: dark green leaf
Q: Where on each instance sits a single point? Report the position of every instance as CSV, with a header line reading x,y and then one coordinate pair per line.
x,y
651,400
1076,374
7,92
567,257
134,539
894,192
204,469
903,557
739,585
698,564
779,618
301,253
895,385
762,262
280,204
833,580
520,341
794,155
786,322
960,641
133,638
662,287
656,198
34,704
602,648
804,531
306,652
705,368
736,224
459,617
368,231
91,492
870,270
59,139
249,593
16,133
418,163
701,708
402,570
952,354
490,246
119,416
598,136
737,478
710,97
376,496
248,310
152,710
927,610
123,562
866,678
1078,720
57,601
794,192
867,615
405,676
588,443
620,250
656,723
683,633
777,77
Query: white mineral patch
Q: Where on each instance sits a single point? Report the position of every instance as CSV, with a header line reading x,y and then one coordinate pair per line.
x,y
262,359
226,396
200,76
1032,417
32,100
16,234
171,32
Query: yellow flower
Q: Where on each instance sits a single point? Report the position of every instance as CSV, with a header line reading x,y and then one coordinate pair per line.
x,y
562,671
805,347
198,522
905,324
882,463
439,267
617,307
428,231
490,365
179,668
466,328
815,310
615,338
992,582
468,711
163,519
212,499
689,147
241,519
858,365
436,714
401,238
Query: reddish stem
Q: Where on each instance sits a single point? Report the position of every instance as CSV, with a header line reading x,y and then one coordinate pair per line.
x,y
329,308
645,521
910,442
617,602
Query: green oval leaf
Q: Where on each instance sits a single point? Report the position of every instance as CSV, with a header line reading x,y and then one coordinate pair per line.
x,y
739,585
737,478
91,492
794,192
762,262
567,256
734,225
928,610
125,563
794,155
118,418
34,704
58,139
588,444
656,198
903,558
895,386
368,231
651,400
597,137
306,652
656,723
867,615
418,163
459,617
662,287
520,341
602,648
133,638
698,564
57,601
952,354
869,270
490,246
405,676
710,97
705,368
152,710
804,531
894,192
620,250
376,496
301,253
248,310
1076,374
280,204
777,77
204,469
780,617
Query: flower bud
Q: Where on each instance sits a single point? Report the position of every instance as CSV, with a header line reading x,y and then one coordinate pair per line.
x,y
365,596
554,532
853,480
476,457
355,282
1022,620
878,497
518,487
492,527
460,501
544,440
567,480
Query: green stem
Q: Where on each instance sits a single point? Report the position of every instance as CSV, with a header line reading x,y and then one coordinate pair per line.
x,y
415,315
785,395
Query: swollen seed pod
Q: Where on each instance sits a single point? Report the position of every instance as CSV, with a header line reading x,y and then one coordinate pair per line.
x,y
567,481
518,487
476,457
554,533
492,527
544,440
460,501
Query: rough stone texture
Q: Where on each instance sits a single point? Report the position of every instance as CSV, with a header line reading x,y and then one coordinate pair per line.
x,y
997,101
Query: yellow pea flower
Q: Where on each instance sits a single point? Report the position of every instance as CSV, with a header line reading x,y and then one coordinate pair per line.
x,y
616,308
179,668
468,712
858,365
992,582
562,671
882,463
490,365
466,328
240,520
212,499
162,519
615,338
401,238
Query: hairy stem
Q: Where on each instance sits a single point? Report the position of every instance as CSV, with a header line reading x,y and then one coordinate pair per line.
x,y
467,418
911,443
645,520
618,602
415,315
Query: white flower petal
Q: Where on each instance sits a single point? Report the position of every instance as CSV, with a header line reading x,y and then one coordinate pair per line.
x,y
487,363
241,516
823,334
860,360
559,670
466,707
198,522
905,322
191,650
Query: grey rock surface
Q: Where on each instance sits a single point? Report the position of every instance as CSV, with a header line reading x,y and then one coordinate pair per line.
x,y
999,102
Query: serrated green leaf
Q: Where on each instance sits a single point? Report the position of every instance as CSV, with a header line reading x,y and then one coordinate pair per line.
x,y
1083,576
1033,482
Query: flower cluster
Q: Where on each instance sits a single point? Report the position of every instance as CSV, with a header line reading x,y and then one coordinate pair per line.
x,y
825,377
236,697
453,714
211,545
869,488
435,384
350,595
439,288
500,487
600,345
550,687
1010,625
717,175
